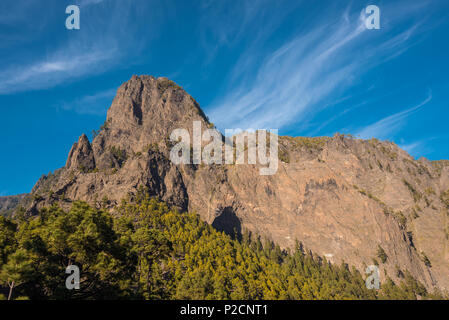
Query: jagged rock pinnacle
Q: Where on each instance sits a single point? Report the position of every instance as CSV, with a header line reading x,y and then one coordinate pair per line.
x,y
81,156
342,197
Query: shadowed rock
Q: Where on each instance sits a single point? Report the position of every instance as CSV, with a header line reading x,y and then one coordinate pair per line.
x,y
341,197
228,222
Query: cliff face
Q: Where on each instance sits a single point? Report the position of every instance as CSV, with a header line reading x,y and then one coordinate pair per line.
x,y
8,203
342,197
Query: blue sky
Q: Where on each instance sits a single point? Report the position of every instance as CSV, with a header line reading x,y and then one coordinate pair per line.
x,y
307,68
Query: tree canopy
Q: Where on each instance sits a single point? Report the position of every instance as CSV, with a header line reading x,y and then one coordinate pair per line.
x,y
144,250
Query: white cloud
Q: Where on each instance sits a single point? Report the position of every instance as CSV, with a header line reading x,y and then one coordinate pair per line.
x,y
67,63
290,79
224,25
301,77
95,104
419,148
103,43
386,127
411,148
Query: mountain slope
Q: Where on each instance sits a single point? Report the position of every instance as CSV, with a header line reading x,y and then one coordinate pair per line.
x,y
8,203
147,251
343,198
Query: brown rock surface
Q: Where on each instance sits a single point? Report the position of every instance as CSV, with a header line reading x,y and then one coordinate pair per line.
x,y
342,197
81,156
8,203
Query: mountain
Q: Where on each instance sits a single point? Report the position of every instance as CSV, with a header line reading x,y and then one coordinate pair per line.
x,y
346,199
8,203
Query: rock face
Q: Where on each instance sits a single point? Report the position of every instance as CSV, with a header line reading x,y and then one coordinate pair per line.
x,y
81,156
343,198
8,203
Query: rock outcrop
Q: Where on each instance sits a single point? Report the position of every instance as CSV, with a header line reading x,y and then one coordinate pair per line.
x,y
343,198
81,156
8,203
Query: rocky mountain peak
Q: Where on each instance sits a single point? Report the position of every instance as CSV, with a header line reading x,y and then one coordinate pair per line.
x,y
81,156
342,197
148,102
144,113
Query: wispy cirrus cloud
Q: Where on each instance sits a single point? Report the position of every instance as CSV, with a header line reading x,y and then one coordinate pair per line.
x,y
106,38
388,126
302,76
65,64
224,24
289,80
421,147
94,104
413,148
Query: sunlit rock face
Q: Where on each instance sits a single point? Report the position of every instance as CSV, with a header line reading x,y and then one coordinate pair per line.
x,y
341,197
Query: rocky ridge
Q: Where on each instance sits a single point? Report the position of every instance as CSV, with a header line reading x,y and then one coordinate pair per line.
x,y
9,203
346,199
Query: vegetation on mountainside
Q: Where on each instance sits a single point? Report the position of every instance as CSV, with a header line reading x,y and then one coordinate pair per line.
x,y
381,254
119,155
310,143
445,198
147,251
417,196
164,84
440,165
